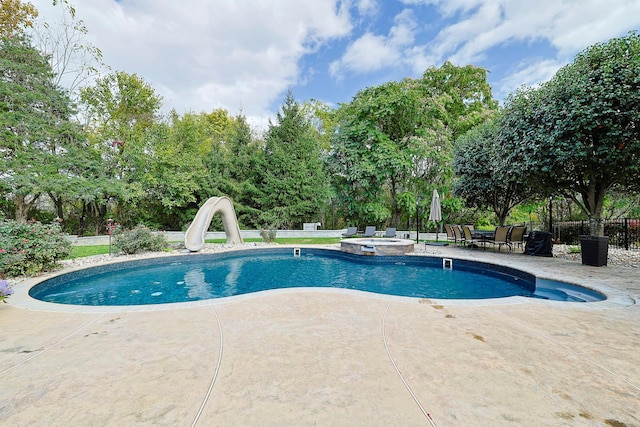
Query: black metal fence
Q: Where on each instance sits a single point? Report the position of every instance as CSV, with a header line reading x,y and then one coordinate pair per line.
x,y
623,232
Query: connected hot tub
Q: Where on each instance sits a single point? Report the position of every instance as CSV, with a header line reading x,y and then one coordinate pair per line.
x,y
377,246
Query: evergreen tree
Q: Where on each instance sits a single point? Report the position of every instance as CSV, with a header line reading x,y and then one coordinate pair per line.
x,y
41,149
244,156
292,182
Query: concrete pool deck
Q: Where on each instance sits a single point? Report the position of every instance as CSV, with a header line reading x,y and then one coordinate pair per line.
x,y
331,357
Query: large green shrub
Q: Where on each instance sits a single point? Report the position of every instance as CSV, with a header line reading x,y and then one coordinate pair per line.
x,y
26,249
138,240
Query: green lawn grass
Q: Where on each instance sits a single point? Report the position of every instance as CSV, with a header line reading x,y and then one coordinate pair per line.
x,y
83,251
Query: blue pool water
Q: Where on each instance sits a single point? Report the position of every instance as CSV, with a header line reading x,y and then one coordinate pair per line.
x,y
200,277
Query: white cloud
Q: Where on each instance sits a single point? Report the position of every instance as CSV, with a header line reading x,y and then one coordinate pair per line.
x,y
468,38
568,25
242,55
369,53
200,55
367,7
527,73
481,25
583,23
448,7
372,52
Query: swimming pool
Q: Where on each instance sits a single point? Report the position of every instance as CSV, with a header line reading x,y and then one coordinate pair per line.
x,y
207,276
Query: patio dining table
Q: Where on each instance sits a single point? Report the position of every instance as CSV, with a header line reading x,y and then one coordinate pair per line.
x,y
483,234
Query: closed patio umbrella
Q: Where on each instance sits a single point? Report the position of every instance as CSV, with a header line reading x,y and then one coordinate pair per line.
x,y
436,211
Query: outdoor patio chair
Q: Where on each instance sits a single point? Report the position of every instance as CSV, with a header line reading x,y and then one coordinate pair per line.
x,y
370,231
451,237
351,231
457,232
516,236
500,237
468,237
390,232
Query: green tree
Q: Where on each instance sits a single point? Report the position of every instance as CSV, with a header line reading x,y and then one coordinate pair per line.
x,y
373,152
216,129
293,185
464,93
323,119
175,167
578,134
41,149
122,109
394,142
484,177
244,157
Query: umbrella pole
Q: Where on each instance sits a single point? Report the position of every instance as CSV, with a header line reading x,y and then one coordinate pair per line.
x,y
417,222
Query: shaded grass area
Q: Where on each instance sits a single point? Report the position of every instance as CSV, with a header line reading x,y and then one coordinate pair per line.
x,y
83,251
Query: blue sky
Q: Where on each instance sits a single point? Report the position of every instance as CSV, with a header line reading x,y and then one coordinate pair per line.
x,y
243,55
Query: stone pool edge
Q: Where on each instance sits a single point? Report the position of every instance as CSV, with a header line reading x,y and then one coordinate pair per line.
x,y
21,298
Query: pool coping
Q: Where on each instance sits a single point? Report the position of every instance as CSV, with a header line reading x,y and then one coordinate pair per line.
x,y
615,298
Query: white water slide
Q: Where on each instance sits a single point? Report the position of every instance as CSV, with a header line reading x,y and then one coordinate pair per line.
x,y
197,231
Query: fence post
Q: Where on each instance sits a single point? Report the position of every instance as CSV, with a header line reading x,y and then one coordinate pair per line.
x,y
551,215
626,233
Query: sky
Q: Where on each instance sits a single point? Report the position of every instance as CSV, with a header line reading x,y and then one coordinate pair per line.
x,y
243,55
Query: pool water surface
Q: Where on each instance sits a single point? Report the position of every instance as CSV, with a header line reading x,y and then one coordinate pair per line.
x,y
201,277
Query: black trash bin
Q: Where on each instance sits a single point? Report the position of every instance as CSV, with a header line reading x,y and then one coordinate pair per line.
x,y
539,244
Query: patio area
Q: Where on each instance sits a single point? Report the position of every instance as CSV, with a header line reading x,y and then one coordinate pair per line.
x,y
331,357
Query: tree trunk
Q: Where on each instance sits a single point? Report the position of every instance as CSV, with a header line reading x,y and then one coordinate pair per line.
x,y
58,203
595,218
23,206
595,206
395,214
83,218
596,226
101,211
501,212
21,210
